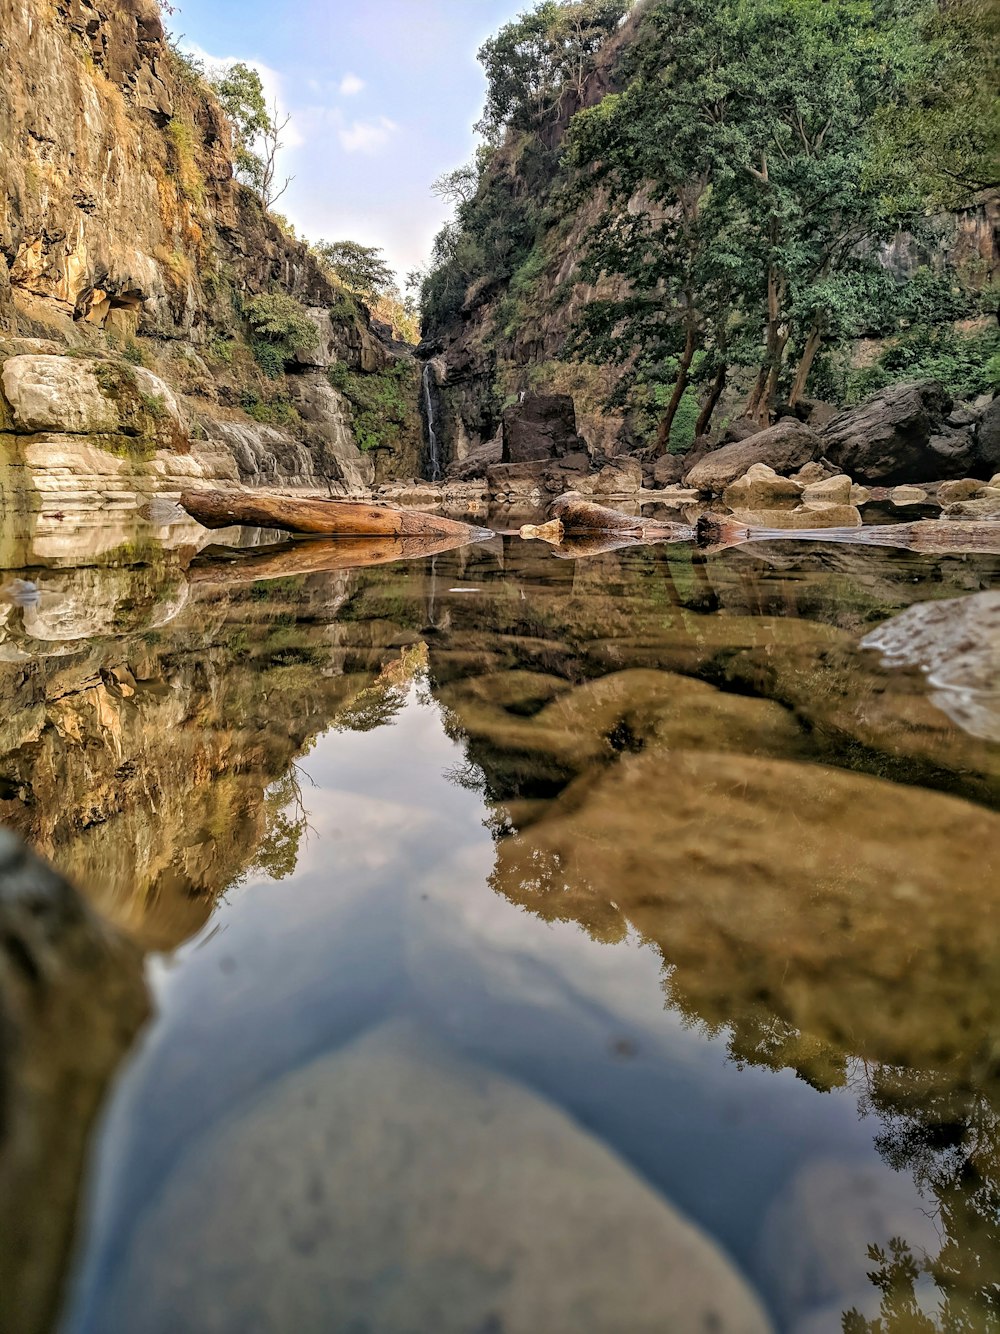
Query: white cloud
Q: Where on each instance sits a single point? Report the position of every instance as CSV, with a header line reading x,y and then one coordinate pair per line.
x,y
351,85
366,136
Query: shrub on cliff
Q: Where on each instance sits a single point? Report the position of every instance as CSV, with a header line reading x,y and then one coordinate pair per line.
x,y
280,328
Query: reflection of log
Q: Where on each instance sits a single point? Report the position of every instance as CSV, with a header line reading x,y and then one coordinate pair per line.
x,y
933,536
580,516
244,566
320,518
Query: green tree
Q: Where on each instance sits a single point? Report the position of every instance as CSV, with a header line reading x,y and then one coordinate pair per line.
x,y
280,329
735,165
362,268
541,55
257,130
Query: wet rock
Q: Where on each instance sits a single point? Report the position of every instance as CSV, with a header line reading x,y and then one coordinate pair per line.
x,y
801,979
816,1234
902,497
541,426
957,642
72,997
785,447
834,490
817,514
759,488
897,437
392,1186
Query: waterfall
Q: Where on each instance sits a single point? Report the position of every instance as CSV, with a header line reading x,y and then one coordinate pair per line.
x,y
433,456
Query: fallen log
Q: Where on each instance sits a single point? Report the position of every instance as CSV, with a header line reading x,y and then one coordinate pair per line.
x,y
321,518
580,516
935,537
246,566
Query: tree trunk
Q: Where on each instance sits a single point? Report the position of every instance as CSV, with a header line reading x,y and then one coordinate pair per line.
x,y
680,384
319,518
761,397
710,404
813,344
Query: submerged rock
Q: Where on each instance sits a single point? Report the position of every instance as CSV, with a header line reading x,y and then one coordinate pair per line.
x,y
72,997
957,642
391,1186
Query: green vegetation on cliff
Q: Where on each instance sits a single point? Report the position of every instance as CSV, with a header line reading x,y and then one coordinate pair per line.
x,y
705,194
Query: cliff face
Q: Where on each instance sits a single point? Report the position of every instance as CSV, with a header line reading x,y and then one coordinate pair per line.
x,y
123,230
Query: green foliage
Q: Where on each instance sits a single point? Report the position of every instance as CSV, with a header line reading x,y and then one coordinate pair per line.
x,y
274,411
543,54
133,353
362,268
280,328
966,364
256,130
381,404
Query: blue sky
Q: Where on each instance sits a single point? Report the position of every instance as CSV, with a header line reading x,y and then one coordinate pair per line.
x,y
383,95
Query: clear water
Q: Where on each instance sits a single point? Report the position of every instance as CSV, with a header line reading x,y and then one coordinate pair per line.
x,y
531,943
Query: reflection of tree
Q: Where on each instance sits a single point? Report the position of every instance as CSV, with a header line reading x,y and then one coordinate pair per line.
x,y
379,704
950,1141
285,824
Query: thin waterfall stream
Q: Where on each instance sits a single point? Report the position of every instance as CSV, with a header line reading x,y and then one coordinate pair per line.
x,y
433,455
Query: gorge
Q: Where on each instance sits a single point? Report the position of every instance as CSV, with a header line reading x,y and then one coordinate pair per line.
x,y
500,785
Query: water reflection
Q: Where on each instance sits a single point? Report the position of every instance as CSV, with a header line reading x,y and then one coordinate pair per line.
x,y
527,817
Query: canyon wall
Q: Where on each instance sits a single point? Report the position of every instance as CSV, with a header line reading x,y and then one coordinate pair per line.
x,y
125,239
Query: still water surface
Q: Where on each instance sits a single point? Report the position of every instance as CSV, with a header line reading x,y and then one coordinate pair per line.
x,y
532,944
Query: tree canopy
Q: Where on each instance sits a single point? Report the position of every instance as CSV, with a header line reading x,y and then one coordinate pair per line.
x,y
257,130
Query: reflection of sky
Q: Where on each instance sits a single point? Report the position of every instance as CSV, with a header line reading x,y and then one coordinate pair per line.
x,y
389,913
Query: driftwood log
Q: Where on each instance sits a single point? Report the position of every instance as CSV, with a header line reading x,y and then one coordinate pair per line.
x,y
935,537
247,566
579,516
321,518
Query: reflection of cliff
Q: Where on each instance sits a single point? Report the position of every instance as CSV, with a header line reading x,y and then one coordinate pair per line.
x,y
140,759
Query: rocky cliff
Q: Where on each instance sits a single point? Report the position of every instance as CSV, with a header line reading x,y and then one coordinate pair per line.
x,y
127,244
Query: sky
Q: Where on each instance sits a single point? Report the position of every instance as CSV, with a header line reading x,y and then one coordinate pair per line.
x,y
383,95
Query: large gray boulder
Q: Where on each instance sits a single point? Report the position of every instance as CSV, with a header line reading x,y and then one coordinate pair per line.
x,y
785,447
541,426
901,435
988,440
391,1186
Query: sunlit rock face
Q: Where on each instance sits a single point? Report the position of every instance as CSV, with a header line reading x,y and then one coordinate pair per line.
x,y
72,998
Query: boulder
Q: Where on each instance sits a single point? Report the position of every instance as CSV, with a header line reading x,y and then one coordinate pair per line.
x,y
957,643
902,497
897,436
832,490
810,473
985,506
817,514
78,396
760,487
521,481
785,447
950,493
541,426
860,495
476,463
668,469
619,477
393,1186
